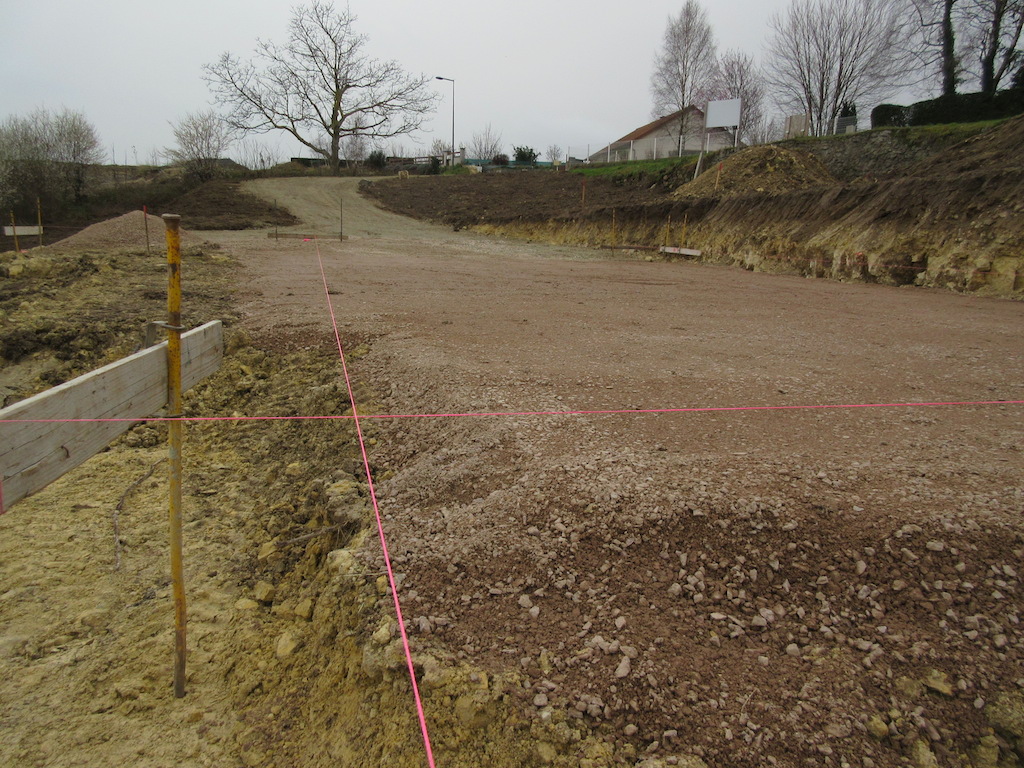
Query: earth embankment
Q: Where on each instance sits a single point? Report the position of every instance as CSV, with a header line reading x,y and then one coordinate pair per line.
x,y
951,220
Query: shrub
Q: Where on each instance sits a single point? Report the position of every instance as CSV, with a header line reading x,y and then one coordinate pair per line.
x,y
377,159
525,155
500,159
957,108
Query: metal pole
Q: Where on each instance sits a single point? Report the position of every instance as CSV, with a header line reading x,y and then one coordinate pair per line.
x,y
145,219
171,223
341,219
39,220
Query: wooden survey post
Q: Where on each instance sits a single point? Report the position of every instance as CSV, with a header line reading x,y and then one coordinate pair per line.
x,y
171,223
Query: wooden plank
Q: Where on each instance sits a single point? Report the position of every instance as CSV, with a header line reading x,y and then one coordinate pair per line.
x,y
681,251
46,441
300,236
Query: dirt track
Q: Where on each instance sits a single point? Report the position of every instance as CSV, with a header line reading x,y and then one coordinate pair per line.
x,y
813,586
542,506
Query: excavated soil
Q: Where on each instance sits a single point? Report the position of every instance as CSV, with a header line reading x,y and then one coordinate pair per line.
x,y
631,523
950,220
764,170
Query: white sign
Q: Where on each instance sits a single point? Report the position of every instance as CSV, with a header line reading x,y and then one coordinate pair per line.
x,y
723,114
21,230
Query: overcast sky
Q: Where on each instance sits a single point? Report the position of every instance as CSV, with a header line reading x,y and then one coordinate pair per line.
x,y
541,72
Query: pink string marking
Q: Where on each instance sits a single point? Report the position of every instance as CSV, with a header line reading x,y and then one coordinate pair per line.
x,y
380,525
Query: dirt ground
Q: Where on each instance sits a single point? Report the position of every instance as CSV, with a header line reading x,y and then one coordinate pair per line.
x,y
724,568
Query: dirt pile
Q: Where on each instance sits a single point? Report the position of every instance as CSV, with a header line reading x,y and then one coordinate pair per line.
x,y
464,201
127,232
768,170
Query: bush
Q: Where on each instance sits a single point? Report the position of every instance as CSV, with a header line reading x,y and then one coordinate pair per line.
x,y
525,155
377,159
500,159
958,108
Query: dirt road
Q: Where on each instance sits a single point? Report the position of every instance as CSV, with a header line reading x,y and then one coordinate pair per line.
x,y
727,570
684,536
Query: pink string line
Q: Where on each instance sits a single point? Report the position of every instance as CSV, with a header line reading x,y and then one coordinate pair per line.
x,y
509,414
380,526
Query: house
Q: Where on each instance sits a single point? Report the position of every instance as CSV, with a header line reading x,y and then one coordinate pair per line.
x,y
680,133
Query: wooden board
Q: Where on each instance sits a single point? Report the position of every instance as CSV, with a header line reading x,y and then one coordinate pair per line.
x,y
42,440
300,236
23,230
681,251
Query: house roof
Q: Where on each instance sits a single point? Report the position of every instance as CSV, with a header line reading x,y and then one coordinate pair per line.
x,y
644,130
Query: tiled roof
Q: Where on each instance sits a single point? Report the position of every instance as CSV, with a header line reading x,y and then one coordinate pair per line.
x,y
642,131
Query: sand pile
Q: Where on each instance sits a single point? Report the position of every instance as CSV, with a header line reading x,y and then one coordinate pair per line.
x,y
127,231
766,169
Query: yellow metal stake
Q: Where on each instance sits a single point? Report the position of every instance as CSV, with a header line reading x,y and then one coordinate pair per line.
x,y
171,223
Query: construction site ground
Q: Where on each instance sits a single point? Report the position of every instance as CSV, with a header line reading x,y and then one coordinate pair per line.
x,y
642,513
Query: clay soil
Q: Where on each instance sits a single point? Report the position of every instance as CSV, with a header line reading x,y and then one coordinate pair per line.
x,y
633,520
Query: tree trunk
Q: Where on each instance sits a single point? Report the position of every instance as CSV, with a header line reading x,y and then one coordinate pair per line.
x,y
948,50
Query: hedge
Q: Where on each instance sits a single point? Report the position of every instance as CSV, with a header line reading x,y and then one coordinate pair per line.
x,y
958,108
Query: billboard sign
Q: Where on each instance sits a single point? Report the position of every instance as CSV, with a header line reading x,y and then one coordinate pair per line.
x,y
723,114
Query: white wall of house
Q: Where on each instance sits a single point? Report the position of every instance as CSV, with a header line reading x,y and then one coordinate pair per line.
x,y
663,142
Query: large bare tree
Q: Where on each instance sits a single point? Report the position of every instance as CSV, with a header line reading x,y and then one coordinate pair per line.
x,y
823,54
320,86
740,78
994,37
932,39
686,67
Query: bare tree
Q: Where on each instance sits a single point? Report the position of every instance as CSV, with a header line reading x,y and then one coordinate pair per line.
x,y
75,148
993,31
357,147
485,144
256,155
46,157
685,69
931,38
554,154
203,138
440,148
320,86
740,78
824,53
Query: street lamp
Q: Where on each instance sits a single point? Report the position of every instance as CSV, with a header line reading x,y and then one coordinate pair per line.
x,y
450,80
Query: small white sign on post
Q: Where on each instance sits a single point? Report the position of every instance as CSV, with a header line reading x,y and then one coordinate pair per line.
x,y
23,230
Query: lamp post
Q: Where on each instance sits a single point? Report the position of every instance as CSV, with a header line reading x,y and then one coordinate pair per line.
x,y
452,81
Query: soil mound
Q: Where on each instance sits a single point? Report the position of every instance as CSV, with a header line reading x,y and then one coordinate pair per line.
x,y
994,150
127,232
766,170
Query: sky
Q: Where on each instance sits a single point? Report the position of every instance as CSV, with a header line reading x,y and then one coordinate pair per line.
x,y
574,73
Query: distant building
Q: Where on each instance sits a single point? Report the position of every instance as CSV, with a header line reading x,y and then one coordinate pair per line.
x,y
796,125
680,133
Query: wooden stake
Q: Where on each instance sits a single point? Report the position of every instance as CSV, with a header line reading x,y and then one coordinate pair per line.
x,y
14,230
145,219
172,223
39,220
